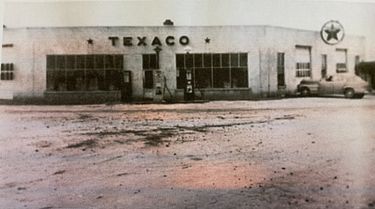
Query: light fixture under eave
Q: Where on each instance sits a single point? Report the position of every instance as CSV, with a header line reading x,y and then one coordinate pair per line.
x,y
187,49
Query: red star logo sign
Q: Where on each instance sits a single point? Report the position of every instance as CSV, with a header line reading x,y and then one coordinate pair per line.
x,y
332,32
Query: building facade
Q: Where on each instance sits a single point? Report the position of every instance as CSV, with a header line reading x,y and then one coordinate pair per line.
x,y
103,64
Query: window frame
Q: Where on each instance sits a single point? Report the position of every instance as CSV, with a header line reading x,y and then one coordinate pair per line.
x,y
303,69
324,65
280,69
78,72
214,63
7,72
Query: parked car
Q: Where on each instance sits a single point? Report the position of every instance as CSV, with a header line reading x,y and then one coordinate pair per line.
x,y
350,86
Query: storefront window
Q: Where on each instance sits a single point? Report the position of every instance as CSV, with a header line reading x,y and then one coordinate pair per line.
x,y
84,72
213,70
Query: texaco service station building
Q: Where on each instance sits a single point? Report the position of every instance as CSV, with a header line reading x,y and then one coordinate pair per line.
x,y
177,63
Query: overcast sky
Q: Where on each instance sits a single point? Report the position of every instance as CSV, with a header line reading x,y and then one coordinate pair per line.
x,y
357,17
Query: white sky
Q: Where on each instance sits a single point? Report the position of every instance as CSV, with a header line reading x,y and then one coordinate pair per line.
x,y
357,17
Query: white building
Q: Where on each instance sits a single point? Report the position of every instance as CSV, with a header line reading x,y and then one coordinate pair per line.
x,y
99,64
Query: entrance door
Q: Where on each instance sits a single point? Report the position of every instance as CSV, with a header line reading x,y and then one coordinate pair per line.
x,y
126,87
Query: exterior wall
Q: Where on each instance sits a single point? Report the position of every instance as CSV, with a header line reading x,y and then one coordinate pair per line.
x,y
287,44
31,45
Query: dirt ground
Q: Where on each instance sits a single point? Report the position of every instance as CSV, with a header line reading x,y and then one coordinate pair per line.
x,y
290,153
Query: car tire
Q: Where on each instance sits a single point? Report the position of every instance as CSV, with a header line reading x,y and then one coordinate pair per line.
x,y
359,96
349,93
305,92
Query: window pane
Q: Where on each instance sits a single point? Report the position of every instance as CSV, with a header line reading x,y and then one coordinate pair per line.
x,y
239,78
280,79
75,80
71,81
70,61
225,60
90,62
60,81
207,60
50,80
50,62
153,62
234,60
146,61
280,69
148,79
60,62
243,60
203,78
180,60
92,80
324,61
119,62
198,60
181,78
221,78
79,77
280,62
99,61
101,80
109,62
216,60
112,80
189,60
81,61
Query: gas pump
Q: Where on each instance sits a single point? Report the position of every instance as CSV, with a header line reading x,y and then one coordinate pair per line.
x,y
126,87
158,88
189,87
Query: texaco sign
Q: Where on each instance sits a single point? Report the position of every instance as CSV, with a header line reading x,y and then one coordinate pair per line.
x,y
332,32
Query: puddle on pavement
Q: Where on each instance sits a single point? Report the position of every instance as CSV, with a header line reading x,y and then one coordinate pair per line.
x,y
217,176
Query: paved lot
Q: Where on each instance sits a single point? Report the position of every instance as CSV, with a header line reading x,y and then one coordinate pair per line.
x,y
290,153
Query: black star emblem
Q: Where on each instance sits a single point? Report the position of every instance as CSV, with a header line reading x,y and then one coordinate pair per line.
x,y
90,41
207,40
332,32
